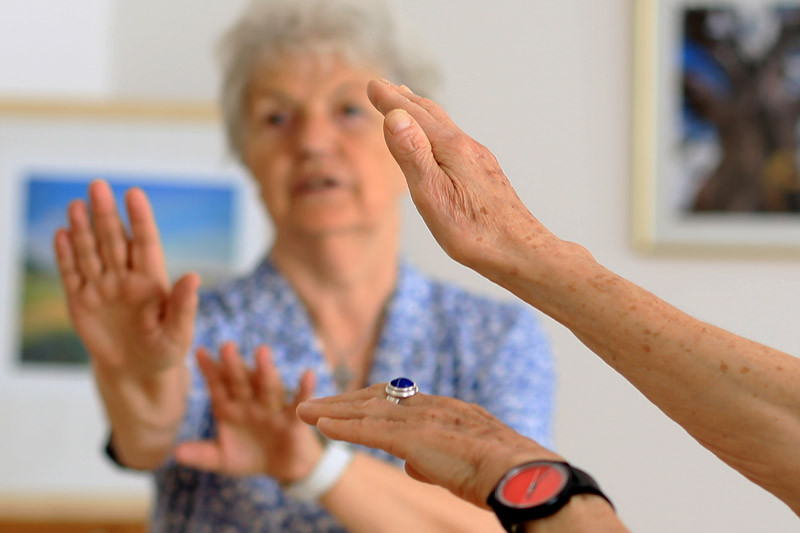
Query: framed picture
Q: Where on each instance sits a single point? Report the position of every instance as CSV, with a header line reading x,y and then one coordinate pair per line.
x,y
50,152
716,133
196,223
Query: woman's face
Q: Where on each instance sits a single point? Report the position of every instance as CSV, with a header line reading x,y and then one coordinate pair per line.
x,y
315,145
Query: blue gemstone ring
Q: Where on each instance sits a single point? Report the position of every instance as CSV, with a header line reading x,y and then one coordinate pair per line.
x,y
400,388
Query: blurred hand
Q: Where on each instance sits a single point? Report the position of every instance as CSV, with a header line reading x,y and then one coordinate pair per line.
x,y
258,431
444,441
119,298
455,182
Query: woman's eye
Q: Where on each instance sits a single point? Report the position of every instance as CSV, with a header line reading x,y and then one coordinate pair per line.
x,y
350,110
276,119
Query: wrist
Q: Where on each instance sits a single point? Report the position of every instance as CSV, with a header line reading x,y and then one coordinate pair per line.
x,y
153,403
335,459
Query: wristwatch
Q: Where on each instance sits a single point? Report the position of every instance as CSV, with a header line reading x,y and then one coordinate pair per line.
x,y
538,489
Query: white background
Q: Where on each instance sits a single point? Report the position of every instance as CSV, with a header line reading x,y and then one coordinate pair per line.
x,y
547,86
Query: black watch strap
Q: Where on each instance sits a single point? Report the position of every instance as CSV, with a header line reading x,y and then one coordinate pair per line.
x,y
586,484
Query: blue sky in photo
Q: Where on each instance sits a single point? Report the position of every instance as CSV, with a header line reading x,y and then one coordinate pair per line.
x,y
196,219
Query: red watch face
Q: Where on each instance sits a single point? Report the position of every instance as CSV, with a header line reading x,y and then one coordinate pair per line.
x,y
533,484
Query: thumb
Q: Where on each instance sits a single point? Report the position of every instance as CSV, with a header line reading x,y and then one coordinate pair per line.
x,y
201,455
181,307
411,148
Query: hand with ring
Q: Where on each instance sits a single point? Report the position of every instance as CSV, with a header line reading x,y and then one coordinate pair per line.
x,y
444,441
258,431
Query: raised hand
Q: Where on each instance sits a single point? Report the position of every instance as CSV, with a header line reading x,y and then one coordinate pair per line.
x,y
258,431
455,182
444,441
119,298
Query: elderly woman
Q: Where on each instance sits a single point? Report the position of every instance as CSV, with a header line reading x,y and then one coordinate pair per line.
x,y
333,300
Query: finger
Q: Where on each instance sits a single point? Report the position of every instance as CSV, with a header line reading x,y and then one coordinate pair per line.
x,y
387,97
181,308
370,403
202,455
65,259
373,391
145,254
108,230
434,109
370,432
346,408
270,390
217,390
310,410
415,474
235,373
305,389
83,242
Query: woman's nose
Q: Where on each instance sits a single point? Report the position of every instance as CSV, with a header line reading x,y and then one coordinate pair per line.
x,y
316,135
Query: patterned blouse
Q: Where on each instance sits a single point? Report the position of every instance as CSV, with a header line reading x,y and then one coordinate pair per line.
x,y
449,342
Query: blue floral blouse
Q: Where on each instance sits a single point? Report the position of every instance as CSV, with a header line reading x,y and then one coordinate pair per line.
x,y
448,341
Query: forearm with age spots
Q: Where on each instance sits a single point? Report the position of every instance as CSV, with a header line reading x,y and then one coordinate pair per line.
x,y
738,398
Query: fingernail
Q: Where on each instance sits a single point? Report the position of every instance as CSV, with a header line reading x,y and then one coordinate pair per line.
x,y
397,120
384,81
406,90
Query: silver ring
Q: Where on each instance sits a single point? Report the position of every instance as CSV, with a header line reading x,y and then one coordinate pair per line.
x,y
399,389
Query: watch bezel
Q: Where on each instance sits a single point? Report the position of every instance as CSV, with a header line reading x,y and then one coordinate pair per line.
x,y
562,468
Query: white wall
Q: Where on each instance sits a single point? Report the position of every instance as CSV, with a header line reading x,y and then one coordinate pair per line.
x,y
547,86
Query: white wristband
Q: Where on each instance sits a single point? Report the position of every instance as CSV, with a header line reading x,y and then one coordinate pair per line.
x,y
330,467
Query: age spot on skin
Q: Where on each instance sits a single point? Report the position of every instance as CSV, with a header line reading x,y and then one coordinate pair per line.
x,y
484,211
744,370
646,348
723,367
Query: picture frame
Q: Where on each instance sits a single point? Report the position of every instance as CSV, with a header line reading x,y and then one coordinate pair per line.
x,y
51,150
716,101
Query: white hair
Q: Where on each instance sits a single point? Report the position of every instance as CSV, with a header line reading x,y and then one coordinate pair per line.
x,y
362,31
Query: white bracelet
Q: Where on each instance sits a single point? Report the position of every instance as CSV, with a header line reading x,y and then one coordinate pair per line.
x,y
330,467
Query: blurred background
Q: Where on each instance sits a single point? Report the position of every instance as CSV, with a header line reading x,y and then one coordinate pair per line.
x,y
547,86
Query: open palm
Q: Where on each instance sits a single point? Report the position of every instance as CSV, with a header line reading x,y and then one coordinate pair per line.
x,y
118,295
258,431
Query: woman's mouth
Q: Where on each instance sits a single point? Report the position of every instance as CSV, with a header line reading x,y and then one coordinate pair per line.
x,y
317,184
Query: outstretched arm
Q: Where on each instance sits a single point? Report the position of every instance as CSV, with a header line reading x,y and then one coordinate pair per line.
x,y
259,432
736,397
451,443
136,328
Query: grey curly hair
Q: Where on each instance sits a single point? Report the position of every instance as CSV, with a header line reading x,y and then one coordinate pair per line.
x,y
364,32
